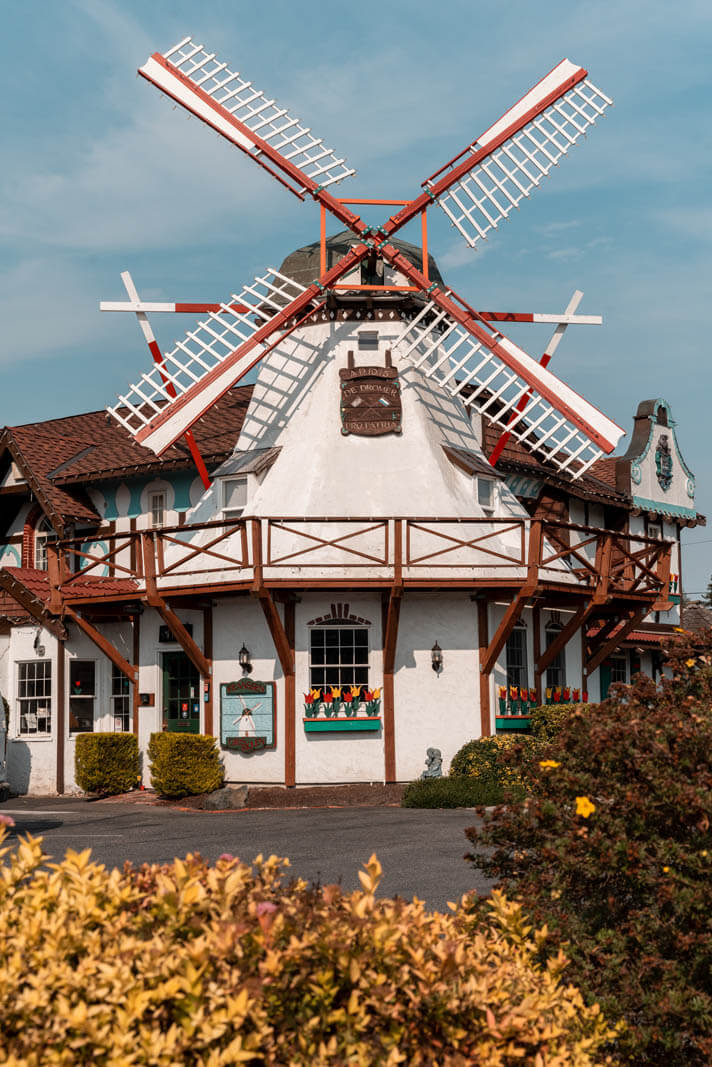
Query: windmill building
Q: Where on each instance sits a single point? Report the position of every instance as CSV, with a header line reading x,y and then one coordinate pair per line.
x,y
403,535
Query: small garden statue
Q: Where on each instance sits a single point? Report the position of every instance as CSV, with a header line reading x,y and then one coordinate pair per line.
x,y
433,764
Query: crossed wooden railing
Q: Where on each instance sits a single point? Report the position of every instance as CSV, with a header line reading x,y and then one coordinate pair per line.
x,y
251,551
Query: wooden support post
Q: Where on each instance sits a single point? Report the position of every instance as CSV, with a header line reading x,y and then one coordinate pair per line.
x,y
598,639
279,636
53,573
536,625
208,649
603,568
564,636
483,637
635,617
136,656
515,609
290,704
103,644
201,663
61,716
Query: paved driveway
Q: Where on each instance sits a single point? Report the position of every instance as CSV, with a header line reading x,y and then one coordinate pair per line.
x,y
421,851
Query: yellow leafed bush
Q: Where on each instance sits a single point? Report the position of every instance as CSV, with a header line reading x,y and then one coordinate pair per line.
x,y
192,964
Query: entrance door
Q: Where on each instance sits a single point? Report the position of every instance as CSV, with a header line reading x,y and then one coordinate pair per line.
x,y
604,675
181,694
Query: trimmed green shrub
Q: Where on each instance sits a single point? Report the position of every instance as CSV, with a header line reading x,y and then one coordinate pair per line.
x,y
106,763
546,719
612,850
460,792
484,760
184,765
193,964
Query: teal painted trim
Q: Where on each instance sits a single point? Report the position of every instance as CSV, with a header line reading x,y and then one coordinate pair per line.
x,y
181,483
509,722
87,546
4,561
663,508
136,488
111,511
320,726
674,598
652,419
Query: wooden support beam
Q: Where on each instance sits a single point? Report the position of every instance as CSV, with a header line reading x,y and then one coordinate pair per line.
x,y
564,636
61,715
290,704
604,553
194,653
279,635
483,637
390,642
515,609
536,627
603,634
103,645
635,617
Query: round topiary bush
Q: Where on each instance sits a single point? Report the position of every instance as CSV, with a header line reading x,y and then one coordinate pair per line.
x,y
546,719
493,759
106,763
184,765
612,850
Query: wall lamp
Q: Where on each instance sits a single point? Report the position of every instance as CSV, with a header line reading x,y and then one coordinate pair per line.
x,y
243,658
436,654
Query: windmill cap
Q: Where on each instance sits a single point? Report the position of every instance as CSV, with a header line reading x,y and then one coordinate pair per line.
x,y
304,264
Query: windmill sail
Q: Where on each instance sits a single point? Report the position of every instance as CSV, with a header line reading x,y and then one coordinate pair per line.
x,y
495,374
512,158
222,98
166,401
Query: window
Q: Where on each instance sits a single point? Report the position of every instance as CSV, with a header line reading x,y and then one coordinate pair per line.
x,y
81,696
338,656
368,340
485,495
157,504
517,658
234,497
42,536
34,696
654,529
556,671
120,701
618,669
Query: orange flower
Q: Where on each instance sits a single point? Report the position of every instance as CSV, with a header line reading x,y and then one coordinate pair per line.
x,y
584,807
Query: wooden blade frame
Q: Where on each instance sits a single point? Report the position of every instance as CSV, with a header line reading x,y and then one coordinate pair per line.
x,y
206,89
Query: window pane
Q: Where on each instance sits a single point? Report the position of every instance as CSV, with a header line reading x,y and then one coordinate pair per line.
x,y
517,658
234,493
81,677
34,690
485,492
81,715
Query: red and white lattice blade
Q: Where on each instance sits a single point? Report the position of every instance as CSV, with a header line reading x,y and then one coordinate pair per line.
x,y
495,374
225,100
166,401
511,159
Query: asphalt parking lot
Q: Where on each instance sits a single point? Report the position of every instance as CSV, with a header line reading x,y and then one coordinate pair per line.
x,y
421,851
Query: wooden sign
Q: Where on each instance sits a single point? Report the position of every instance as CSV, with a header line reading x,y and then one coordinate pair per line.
x,y
247,715
370,399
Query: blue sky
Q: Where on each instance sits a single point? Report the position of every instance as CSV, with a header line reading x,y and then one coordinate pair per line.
x,y
101,175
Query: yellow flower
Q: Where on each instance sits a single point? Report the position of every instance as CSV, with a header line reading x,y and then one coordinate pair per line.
x,y
335,691
703,852
548,763
584,807
689,663
377,694
316,693
356,690
666,870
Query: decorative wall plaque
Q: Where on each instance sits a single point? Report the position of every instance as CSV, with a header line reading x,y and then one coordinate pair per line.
x,y
370,399
663,462
247,715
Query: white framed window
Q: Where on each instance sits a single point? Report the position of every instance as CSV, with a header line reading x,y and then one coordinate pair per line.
x,y
120,701
82,693
486,494
34,697
556,671
234,497
618,669
654,529
338,655
517,670
43,534
157,506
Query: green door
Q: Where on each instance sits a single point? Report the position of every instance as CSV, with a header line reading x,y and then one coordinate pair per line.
x,y
604,675
181,694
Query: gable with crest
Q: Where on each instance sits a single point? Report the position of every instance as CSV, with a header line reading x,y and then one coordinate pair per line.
x,y
653,470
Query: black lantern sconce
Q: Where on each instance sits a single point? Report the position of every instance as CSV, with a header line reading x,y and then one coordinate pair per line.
x,y
436,654
243,658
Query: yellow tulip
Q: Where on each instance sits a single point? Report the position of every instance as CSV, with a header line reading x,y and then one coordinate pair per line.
x,y
316,693
335,691
377,694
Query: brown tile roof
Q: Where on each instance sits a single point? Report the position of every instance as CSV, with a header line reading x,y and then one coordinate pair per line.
x,y
696,617
60,456
589,486
33,586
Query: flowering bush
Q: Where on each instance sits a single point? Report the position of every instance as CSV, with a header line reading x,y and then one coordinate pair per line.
x,y
191,964
484,759
612,850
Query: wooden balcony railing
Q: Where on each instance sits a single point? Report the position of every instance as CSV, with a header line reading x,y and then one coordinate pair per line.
x,y
426,551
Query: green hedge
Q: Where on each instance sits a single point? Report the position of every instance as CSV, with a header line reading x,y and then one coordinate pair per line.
x,y
460,792
106,763
184,765
493,760
547,719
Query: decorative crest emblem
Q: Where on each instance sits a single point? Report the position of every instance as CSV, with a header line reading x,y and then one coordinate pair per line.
x,y
663,462
370,399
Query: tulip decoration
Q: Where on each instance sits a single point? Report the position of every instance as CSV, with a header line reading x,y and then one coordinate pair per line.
x,y
514,700
566,695
576,696
503,700
328,702
373,698
549,693
336,700
584,696
557,694
311,703
532,698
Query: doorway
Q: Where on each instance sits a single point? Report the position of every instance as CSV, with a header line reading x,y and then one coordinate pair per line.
x,y
181,694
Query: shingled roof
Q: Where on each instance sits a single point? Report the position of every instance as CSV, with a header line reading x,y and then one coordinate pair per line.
x,y
59,457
